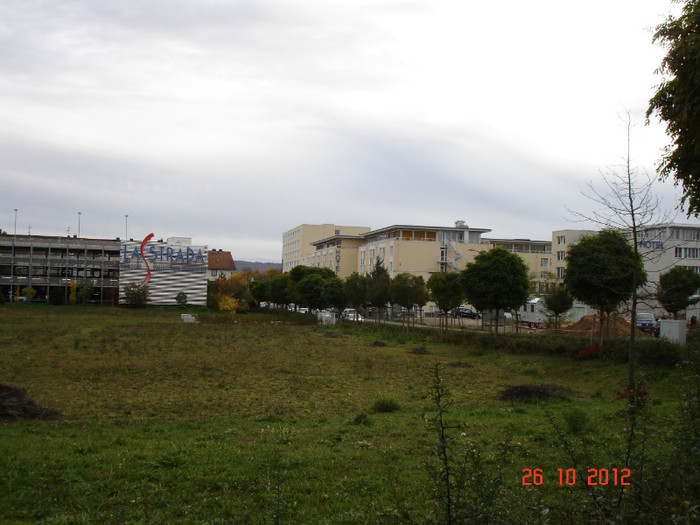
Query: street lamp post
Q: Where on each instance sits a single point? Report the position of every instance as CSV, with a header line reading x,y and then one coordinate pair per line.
x,y
126,227
79,213
12,264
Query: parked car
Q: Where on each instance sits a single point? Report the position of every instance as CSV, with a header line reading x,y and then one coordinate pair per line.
x,y
645,321
465,312
350,314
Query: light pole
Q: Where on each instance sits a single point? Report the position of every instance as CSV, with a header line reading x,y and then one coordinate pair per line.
x,y
79,213
12,264
126,227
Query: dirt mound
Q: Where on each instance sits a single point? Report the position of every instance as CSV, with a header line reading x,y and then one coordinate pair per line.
x,y
14,404
618,327
529,392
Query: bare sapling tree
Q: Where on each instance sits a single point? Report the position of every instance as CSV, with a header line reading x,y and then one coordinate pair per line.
x,y
625,201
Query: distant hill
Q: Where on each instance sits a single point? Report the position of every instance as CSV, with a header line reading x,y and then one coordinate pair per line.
x,y
259,266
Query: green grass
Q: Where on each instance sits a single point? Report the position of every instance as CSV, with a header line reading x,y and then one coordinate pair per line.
x,y
261,422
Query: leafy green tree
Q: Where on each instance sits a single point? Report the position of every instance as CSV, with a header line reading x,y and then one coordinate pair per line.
x,y
676,288
557,302
408,290
603,271
497,280
356,290
310,290
260,290
333,293
84,292
300,271
446,290
378,287
677,101
282,289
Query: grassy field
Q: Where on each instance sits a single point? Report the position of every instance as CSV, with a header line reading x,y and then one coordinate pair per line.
x,y
266,422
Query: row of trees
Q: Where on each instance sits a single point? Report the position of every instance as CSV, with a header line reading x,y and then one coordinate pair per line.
x,y
496,280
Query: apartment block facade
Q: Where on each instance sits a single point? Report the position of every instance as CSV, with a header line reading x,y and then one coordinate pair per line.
x,y
421,250
297,243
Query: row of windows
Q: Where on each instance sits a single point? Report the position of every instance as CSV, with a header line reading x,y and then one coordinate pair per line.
x,y
43,271
687,253
291,235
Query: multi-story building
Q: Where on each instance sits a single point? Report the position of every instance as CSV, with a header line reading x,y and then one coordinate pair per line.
x,y
296,243
662,247
338,252
49,264
420,250
561,241
537,256
423,250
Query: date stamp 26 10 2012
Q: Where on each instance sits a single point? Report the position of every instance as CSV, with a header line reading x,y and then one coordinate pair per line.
x,y
602,476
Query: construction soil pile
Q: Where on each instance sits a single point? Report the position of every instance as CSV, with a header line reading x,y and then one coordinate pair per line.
x,y
618,327
15,404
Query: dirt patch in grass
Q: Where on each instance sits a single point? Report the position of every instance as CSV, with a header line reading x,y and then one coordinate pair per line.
x,y
15,404
459,364
531,392
618,327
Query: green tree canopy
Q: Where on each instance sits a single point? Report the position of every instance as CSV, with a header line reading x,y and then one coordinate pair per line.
x,y
446,290
260,290
676,287
406,290
356,287
310,290
557,302
333,293
378,285
602,270
496,280
677,101
299,272
281,288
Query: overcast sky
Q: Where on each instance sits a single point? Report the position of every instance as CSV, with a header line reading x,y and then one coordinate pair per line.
x,y
232,121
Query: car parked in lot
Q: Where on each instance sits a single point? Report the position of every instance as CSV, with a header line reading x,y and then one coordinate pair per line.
x,y
465,312
350,314
646,321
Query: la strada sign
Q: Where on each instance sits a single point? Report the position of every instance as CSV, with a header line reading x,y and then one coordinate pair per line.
x,y
161,256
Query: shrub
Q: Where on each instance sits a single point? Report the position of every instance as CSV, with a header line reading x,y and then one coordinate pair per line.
x,y
228,304
181,299
385,405
135,294
576,420
28,292
84,292
362,419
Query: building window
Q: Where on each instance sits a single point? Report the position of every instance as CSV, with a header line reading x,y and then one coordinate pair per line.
x,y
213,273
544,263
560,273
561,256
561,239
